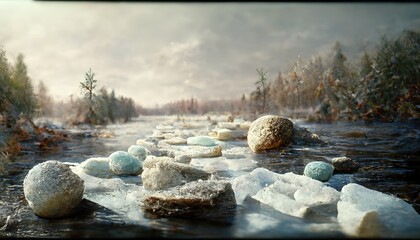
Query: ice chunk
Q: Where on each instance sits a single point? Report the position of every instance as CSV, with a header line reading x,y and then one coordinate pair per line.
x,y
222,164
201,140
273,196
163,172
97,167
363,212
121,194
251,183
288,193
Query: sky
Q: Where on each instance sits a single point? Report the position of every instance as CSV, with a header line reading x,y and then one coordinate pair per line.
x,y
155,53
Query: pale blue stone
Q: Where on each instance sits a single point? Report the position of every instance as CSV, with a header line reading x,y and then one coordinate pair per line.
x,y
202,141
137,151
318,170
123,163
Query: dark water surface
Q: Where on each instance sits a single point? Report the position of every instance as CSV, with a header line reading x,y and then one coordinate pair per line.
x,y
388,154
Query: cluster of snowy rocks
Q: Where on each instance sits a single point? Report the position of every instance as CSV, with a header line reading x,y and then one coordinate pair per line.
x,y
191,171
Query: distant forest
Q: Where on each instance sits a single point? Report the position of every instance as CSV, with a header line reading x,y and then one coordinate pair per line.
x,y
382,86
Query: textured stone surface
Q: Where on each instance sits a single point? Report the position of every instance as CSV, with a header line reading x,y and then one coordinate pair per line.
x,y
344,164
163,172
194,199
52,189
318,170
269,132
123,163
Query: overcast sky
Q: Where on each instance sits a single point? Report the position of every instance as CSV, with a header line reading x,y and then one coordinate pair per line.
x,y
161,52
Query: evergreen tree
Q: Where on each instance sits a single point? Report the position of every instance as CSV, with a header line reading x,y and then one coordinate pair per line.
x,y
23,95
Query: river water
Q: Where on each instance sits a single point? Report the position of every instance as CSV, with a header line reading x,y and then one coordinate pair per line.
x,y
388,154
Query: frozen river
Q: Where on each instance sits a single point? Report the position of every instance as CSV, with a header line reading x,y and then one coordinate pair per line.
x,y
387,154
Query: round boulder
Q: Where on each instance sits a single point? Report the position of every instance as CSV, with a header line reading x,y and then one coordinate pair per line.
x,y
123,163
138,152
318,170
269,132
344,164
52,189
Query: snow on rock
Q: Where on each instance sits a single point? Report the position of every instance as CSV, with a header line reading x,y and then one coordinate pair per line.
x,y
200,199
202,141
318,170
224,134
344,164
201,151
138,152
163,172
97,167
52,189
363,212
223,164
175,141
269,132
228,125
123,163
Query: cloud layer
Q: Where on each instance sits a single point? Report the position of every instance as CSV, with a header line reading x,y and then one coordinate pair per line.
x,y
161,52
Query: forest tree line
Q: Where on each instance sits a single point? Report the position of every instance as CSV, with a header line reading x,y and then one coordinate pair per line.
x,y
381,86
21,102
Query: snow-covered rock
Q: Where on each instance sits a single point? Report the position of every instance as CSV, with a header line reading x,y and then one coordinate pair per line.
x,y
228,125
222,164
202,141
364,212
201,151
269,132
52,189
200,199
318,170
174,141
228,134
163,172
97,167
138,152
123,163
